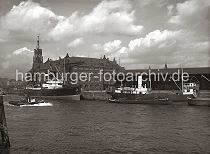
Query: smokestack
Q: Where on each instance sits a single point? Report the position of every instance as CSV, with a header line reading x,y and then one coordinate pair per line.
x,y
139,81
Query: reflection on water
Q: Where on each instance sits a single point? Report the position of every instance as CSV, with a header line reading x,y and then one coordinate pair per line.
x,y
100,127
4,151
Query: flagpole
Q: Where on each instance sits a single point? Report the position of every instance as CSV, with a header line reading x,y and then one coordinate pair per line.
x,y
150,82
182,81
64,78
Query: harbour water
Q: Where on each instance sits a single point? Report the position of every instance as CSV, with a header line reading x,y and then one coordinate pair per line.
x,y
101,127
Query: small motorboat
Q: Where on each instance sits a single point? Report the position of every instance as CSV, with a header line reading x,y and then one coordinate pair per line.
x,y
34,101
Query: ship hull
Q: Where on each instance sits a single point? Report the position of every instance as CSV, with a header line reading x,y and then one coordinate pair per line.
x,y
174,97
62,93
139,99
66,97
199,102
142,101
179,97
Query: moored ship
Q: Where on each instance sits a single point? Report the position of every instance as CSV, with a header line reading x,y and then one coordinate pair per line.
x,y
139,95
54,90
144,95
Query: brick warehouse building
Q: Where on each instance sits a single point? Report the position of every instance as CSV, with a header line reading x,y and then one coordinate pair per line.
x,y
79,65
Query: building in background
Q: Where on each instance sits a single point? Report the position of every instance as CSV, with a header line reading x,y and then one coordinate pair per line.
x,y
200,76
68,64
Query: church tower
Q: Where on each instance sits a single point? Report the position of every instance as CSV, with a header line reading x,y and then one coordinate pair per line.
x,y
37,58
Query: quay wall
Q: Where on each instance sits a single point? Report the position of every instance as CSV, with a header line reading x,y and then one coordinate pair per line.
x,y
95,95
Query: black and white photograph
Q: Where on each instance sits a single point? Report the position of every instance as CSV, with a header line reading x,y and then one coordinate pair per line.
x,y
104,77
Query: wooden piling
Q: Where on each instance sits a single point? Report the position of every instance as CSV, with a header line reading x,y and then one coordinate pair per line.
x,y
5,143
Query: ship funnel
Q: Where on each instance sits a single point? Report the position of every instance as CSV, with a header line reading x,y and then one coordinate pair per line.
x,y
139,81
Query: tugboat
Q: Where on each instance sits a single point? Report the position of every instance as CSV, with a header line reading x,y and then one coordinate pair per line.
x,y
26,101
140,95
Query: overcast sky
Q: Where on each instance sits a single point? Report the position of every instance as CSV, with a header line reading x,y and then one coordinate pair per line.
x,y
139,32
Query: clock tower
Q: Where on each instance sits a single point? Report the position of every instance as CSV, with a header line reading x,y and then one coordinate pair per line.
x,y
37,58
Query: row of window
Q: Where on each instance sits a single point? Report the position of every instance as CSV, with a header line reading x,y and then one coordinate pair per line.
x,y
93,68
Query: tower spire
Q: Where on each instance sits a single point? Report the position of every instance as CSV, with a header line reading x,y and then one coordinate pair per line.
x,y
114,60
37,58
166,65
37,42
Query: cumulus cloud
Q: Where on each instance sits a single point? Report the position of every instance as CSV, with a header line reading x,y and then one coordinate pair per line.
x,y
97,46
192,18
20,59
112,46
31,18
109,48
158,43
156,38
170,9
23,50
76,42
115,14
158,3
143,49
191,13
178,47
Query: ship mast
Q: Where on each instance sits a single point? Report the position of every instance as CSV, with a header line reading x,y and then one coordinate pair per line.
x,y
64,70
37,42
182,81
150,82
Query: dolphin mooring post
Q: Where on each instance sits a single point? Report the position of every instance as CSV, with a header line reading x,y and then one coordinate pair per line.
x,y
4,140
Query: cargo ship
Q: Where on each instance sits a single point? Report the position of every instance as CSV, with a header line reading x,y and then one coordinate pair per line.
x,y
54,89
144,95
139,95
